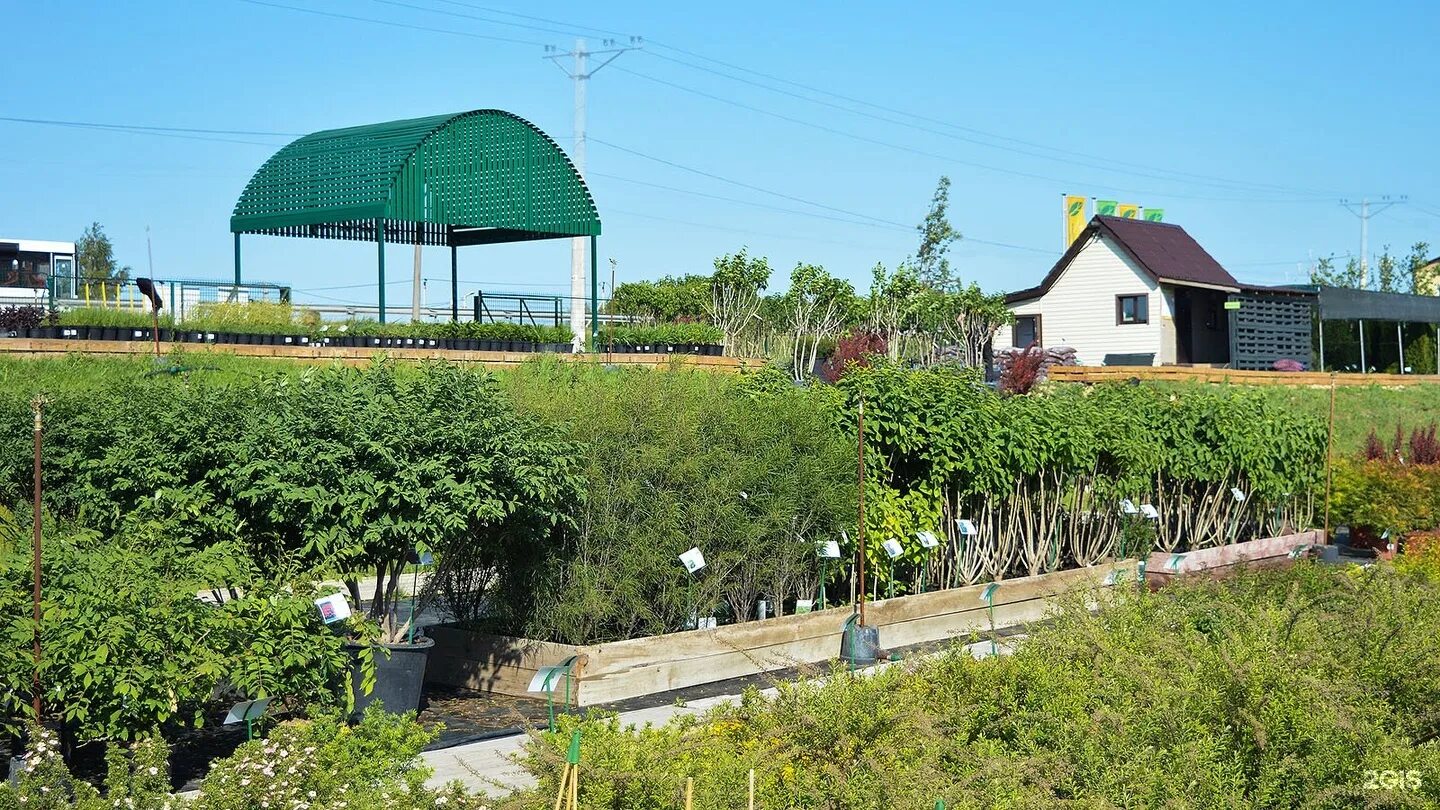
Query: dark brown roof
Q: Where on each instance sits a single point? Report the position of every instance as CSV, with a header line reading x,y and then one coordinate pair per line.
x,y
1162,249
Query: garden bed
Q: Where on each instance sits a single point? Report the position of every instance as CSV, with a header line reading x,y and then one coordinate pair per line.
x,y
626,669
42,347
1216,562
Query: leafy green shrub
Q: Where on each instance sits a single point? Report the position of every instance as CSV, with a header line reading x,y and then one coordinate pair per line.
x,y
252,317
666,456
1381,496
104,316
1275,689
317,763
671,334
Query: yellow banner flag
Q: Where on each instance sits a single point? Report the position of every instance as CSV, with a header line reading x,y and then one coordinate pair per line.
x,y
1127,211
1074,218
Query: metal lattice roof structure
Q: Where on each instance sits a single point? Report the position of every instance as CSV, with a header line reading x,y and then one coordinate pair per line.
x,y
469,178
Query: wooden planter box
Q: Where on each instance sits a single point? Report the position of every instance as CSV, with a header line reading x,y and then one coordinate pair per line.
x,y
1216,562
643,666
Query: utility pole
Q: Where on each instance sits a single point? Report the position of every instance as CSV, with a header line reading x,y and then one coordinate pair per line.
x,y
1364,212
415,286
580,72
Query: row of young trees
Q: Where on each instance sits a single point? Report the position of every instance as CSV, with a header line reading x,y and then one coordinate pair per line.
x,y
1416,272
921,310
557,498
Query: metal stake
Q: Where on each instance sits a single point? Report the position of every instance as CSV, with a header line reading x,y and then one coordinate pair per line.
x,y
37,405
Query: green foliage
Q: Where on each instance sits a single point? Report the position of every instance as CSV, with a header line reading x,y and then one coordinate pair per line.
x,y
322,762
670,334
95,255
1273,690
1382,495
103,316
129,646
666,456
936,237
666,299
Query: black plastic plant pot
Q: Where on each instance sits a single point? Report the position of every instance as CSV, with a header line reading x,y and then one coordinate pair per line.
x,y
108,332
75,332
399,678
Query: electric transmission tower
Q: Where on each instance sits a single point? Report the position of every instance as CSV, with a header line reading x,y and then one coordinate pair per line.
x,y
580,72
1364,211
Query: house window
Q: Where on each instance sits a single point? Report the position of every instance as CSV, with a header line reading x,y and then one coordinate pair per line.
x,y
1026,331
1132,309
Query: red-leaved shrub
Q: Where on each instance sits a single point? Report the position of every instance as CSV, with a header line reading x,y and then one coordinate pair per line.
x,y
1374,448
1424,448
1023,372
855,349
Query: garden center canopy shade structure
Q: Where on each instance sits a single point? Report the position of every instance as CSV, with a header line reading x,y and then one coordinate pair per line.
x,y
470,178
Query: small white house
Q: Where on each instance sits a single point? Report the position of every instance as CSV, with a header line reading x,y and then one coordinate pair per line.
x,y
28,266
1130,292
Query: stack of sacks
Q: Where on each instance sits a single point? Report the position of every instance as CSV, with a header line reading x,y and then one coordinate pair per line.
x,y
1054,356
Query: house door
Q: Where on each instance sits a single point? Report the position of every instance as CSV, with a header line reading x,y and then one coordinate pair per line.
x,y
1184,334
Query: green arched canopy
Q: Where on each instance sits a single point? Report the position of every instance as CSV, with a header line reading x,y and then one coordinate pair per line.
x,y
469,178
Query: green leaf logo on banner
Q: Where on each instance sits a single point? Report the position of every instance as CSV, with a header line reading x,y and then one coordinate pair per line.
x,y
1075,207
1105,208
1154,214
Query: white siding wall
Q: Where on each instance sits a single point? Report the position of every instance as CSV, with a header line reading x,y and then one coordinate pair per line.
x,y
1079,310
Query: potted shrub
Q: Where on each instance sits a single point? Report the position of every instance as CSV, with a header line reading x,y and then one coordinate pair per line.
x,y
392,467
19,321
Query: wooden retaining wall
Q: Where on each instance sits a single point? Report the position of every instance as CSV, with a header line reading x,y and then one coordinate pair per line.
x,y
642,666
1162,568
1100,374
355,355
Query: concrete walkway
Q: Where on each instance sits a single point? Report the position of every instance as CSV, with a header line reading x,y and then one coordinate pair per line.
x,y
489,765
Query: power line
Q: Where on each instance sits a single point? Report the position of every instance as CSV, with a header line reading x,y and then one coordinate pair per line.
x,y
153,128
161,132
751,203
605,31
394,24
792,198
928,154
949,124
740,184
744,231
1105,165
464,16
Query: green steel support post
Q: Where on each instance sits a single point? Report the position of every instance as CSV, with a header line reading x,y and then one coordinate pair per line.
x,y
594,297
454,286
237,259
380,240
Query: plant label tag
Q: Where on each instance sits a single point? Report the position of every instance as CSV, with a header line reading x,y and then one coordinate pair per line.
x,y
1113,577
966,527
893,548
246,710
693,560
546,679
928,539
804,605
1127,506
828,549
1150,512
1174,562
1299,550
1237,494
708,623
333,608
987,596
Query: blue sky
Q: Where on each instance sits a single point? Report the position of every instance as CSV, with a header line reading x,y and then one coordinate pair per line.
x,y
1246,122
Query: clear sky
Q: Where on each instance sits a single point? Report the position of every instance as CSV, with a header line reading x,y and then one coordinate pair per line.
x,y
1247,122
